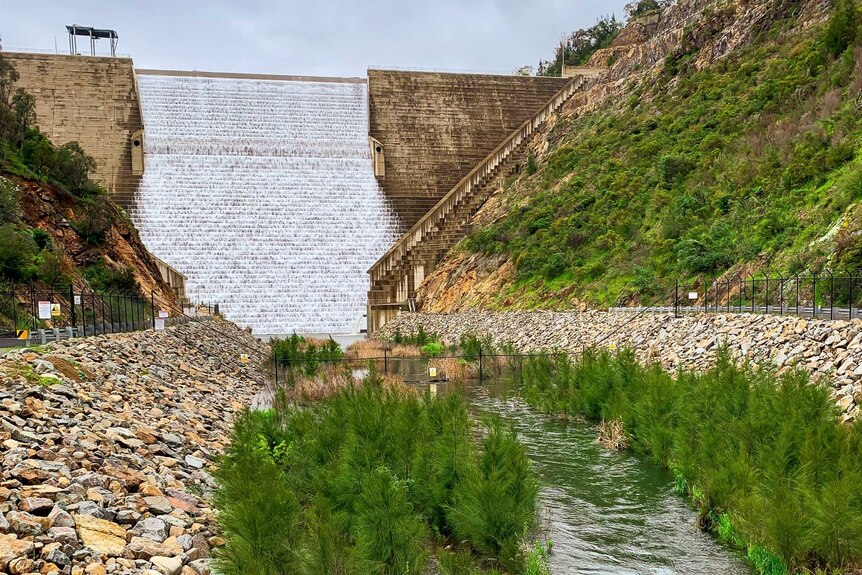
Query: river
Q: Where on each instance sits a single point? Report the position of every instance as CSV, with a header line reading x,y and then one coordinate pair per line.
x,y
606,512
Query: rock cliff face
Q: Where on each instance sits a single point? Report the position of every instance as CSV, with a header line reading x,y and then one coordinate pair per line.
x,y
106,443
826,349
634,61
54,211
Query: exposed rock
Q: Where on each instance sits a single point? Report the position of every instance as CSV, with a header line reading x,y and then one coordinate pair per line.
x,y
107,469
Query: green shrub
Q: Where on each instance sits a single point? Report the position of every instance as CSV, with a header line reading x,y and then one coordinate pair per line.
x,y
102,278
532,167
433,349
297,354
362,482
17,253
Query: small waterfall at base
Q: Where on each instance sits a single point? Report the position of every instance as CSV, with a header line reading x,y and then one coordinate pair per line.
x,y
263,194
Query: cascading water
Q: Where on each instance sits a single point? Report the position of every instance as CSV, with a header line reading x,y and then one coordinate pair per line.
x,y
262,193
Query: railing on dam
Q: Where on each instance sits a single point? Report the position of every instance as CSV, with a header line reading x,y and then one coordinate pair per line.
x,y
398,259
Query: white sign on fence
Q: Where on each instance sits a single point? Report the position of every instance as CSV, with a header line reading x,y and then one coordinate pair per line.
x,y
692,295
160,324
77,300
164,313
44,310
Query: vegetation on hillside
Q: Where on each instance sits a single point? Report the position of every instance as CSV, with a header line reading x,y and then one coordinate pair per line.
x,y
28,253
762,457
371,481
752,160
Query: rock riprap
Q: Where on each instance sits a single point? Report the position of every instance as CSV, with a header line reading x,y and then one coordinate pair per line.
x,y
831,349
106,443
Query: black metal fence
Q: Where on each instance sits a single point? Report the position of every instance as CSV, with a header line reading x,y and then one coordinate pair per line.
x,y
823,295
34,313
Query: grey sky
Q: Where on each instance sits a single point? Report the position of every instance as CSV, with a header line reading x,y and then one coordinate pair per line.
x,y
315,37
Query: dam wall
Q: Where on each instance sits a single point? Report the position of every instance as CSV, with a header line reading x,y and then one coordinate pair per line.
x,y
260,190
435,127
91,100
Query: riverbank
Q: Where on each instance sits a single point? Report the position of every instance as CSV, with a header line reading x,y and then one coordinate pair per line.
x,y
820,347
107,447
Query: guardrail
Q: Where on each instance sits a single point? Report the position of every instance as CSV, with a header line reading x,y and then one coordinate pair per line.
x,y
426,225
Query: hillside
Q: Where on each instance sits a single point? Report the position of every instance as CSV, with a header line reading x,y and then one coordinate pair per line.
x,y
57,226
722,136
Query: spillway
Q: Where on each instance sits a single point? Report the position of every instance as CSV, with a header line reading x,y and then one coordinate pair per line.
x,y
262,193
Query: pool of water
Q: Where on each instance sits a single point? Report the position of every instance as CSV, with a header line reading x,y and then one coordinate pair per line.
x,y
606,512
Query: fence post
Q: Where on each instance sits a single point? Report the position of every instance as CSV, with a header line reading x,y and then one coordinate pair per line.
x,y
781,295
480,363
93,301
741,291
72,302
110,310
153,307
814,296
796,284
728,294
831,294
14,309
767,293
850,296
102,305
675,305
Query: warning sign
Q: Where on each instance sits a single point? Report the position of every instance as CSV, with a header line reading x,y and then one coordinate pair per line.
x,y
243,358
160,324
44,310
432,372
55,310
22,333
77,300
164,313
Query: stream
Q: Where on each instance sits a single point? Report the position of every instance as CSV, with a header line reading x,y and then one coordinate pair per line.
x,y
606,512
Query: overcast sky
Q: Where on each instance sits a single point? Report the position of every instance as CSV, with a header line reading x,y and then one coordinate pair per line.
x,y
313,37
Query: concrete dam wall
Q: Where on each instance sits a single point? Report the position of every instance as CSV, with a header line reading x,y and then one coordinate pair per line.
x,y
261,191
91,100
435,127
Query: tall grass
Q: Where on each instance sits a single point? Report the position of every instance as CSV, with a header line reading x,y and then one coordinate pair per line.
x,y
764,458
366,482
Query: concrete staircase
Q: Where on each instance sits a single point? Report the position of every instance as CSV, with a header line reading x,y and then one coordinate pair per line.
x,y
396,275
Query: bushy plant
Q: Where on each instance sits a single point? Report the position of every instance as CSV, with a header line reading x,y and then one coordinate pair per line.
x,y
363,481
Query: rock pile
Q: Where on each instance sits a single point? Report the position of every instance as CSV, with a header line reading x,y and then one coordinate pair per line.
x,y
105,446
830,349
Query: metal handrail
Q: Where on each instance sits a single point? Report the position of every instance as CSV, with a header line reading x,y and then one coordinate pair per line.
x,y
415,235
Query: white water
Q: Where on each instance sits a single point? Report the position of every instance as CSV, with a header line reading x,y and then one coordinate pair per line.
x,y
262,193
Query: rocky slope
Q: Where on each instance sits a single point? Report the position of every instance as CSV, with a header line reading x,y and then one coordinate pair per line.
x,y
106,446
53,211
826,349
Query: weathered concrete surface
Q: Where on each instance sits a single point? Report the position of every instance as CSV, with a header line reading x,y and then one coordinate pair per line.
x,y
90,100
831,349
435,127
106,443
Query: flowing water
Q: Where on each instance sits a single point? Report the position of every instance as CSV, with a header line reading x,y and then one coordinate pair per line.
x,y
606,512
262,192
